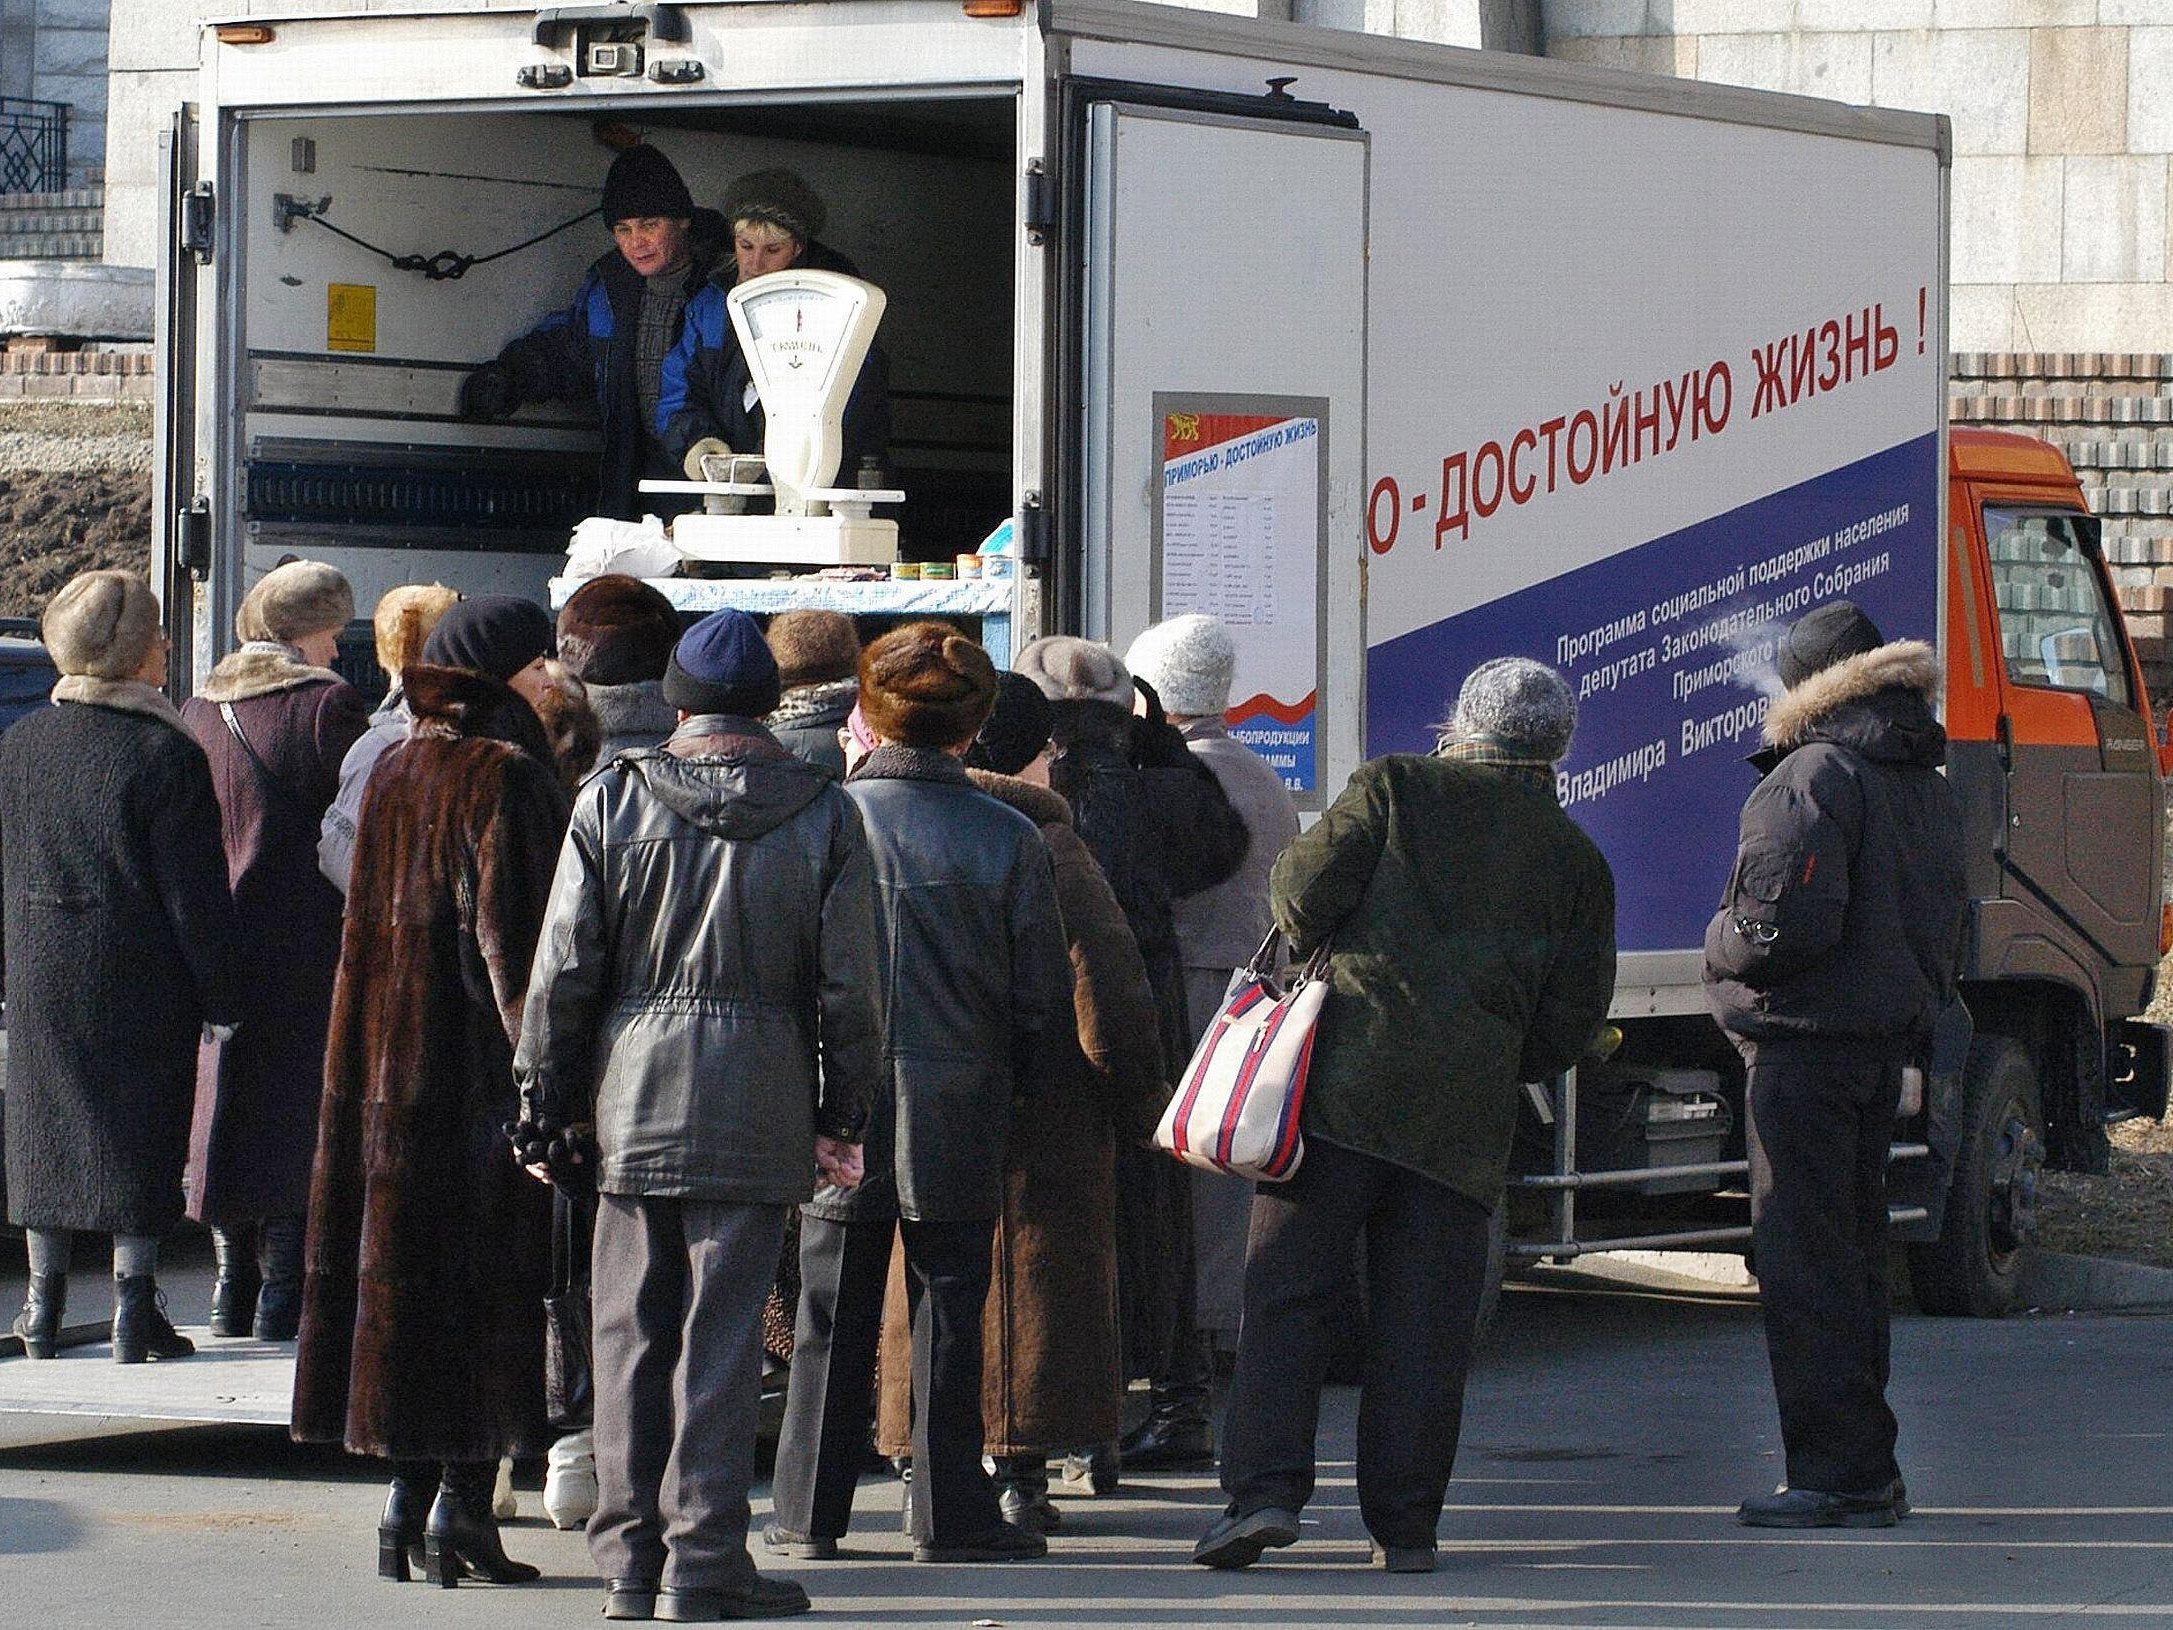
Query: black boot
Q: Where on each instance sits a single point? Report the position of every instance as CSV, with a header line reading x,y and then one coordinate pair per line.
x,y
140,1327
234,1292
461,1534
1022,1492
279,1309
39,1322
400,1529
1175,1435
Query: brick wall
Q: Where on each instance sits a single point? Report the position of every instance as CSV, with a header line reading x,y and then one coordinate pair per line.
x,y
2111,413
85,376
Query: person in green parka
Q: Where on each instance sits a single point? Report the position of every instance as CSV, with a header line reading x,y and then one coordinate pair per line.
x,y
1472,934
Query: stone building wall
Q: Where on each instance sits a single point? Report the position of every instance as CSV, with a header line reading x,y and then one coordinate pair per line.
x,y
55,51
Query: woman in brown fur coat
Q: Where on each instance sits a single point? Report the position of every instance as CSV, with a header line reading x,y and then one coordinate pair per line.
x,y
274,721
429,1252
1051,1377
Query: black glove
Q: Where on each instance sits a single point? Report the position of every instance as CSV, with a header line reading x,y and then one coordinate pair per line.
x,y
567,1152
488,393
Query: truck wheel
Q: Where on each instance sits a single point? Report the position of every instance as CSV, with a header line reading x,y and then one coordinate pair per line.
x,y
1497,1264
1974,1269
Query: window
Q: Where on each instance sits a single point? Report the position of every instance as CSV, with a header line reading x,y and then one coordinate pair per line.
x,y
2056,628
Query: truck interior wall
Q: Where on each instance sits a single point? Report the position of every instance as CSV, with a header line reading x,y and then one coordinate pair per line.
x,y
920,196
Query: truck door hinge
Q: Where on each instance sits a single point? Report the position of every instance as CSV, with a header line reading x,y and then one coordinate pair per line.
x,y
192,538
1041,201
199,215
2004,734
1033,531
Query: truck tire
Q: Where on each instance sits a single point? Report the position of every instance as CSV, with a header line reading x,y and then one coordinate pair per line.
x,y
1974,1269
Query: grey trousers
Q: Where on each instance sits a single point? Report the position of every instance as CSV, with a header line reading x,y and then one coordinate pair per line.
x,y
679,1287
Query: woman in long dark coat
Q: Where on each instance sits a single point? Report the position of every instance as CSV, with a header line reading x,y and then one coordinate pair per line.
x,y
1160,827
429,1247
118,932
275,722
1052,1377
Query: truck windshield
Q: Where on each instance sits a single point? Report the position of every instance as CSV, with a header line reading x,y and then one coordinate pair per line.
x,y
2056,628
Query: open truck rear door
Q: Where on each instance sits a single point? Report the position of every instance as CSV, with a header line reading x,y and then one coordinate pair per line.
x,y
1220,343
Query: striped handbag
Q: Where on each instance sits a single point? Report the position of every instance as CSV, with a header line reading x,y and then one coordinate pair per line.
x,y
1236,1109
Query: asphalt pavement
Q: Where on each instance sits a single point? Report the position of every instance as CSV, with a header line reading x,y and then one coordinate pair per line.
x,y
1608,1435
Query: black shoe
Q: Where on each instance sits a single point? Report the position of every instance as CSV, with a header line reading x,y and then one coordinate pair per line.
x,y
234,1292
400,1529
805,1547
1816,1508
38,1325
1898,1492
1171,1438
461,1536
630,1598
279,1306
1093,1472
1022,1492
1004,1543
1405,1558
1236,1542
1026,1507
758,1598
140,1327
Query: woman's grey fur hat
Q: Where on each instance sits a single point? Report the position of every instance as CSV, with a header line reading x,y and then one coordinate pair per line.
x,y
1518,704
778,198
101,624
290,602
1070,669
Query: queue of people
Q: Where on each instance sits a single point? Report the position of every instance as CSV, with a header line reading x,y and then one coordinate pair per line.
x,y
585,934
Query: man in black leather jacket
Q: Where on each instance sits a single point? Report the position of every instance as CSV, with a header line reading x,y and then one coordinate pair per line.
x,y
705,992
1834,948
976,979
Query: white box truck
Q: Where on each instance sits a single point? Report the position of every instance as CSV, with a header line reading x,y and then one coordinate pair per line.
x,y
1397,357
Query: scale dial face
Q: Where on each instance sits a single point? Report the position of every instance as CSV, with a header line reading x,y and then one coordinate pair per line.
x,y
798,332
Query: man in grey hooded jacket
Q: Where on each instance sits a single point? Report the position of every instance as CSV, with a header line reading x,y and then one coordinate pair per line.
x,y
705,994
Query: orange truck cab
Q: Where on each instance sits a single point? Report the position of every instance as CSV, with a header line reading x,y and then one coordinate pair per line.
x,y
2053,753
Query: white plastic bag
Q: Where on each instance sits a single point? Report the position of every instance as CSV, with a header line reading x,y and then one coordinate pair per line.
x,y
637,548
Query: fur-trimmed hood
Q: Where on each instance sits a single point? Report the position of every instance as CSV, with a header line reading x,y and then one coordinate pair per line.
x,y
1817,708
258,669
1036,802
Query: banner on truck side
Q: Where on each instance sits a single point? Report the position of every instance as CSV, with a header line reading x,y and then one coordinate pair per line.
x,y
1633,422
1241,534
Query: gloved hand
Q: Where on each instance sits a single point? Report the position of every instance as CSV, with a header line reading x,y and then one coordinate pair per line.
x,y
488,393
563,1153
707,447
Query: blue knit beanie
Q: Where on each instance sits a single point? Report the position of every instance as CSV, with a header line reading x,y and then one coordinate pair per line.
x,y
723,665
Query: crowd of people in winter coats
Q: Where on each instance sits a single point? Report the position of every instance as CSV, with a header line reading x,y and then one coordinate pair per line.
x,y
624,1010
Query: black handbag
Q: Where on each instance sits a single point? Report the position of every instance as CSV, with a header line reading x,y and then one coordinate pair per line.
x,y
569,1394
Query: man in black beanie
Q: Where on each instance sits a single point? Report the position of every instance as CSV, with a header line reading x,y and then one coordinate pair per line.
x,y
1833,952
706,998
610,344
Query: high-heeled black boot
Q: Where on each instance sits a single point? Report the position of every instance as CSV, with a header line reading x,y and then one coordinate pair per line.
x,y
461,1534
140,1326
234,1292
400,1529
279,1308
39,1322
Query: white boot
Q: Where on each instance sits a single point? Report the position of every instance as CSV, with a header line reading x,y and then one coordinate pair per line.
x,y
503,1503
569,1480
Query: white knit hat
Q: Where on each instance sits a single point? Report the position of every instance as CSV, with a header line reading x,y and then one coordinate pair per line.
x,y
1188,660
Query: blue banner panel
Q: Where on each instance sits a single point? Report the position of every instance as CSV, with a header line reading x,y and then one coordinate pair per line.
x,y
1670,649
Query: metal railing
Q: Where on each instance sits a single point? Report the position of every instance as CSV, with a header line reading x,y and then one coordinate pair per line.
x,y
33,145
